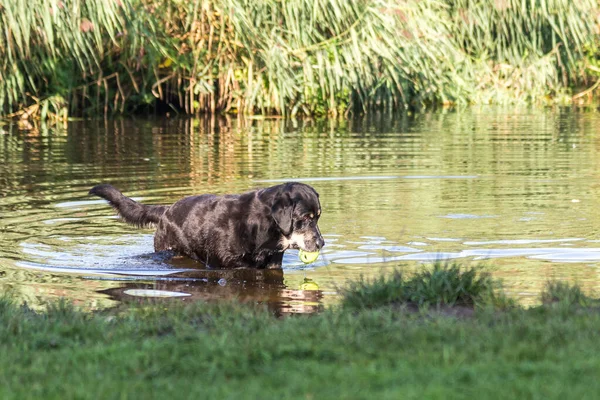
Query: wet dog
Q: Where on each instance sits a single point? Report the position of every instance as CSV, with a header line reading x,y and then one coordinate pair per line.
x,y
250,230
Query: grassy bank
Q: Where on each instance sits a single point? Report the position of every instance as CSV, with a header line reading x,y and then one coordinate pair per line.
x,y
388,350
95,57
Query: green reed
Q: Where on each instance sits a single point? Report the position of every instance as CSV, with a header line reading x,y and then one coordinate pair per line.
x,y
94,57
440,285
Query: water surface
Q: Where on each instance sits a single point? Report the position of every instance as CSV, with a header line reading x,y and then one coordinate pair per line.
x,y
514,189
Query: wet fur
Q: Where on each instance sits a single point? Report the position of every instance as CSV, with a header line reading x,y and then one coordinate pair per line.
x,y
250,230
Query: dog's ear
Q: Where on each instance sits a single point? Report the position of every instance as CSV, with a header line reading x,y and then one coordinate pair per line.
x,y
282,211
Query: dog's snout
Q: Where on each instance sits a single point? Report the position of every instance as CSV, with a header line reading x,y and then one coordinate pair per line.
x,y
320,242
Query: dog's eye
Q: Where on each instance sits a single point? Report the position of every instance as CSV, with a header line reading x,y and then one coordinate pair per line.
x,y
308,217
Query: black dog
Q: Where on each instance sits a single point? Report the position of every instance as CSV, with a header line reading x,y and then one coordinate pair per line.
x,y
250,230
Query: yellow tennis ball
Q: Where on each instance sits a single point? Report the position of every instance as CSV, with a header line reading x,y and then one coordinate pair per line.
x,y
308,257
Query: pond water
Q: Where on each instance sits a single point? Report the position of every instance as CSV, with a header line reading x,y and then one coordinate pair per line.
x,y
513,189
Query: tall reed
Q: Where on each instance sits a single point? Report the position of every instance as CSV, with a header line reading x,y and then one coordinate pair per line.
x,y
94,57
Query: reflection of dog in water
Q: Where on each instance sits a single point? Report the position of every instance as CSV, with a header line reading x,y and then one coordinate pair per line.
x,y
250,230
266,289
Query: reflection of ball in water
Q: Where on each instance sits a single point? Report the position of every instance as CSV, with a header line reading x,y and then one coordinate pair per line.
x,y
309,284
308,257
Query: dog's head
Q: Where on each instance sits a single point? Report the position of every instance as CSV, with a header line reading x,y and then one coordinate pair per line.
x,y
296,211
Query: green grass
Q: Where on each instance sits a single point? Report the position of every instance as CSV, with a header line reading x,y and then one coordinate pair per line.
x,y
97,57
443,285
177,350
566,294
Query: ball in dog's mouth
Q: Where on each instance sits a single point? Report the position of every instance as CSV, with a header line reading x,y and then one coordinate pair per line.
x,y
308,257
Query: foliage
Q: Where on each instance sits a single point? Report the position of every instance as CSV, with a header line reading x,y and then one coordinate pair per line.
x,y
45,44
63,57
443,284
565,293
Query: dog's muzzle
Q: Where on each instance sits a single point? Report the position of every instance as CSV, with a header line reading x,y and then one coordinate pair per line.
x,y
305,242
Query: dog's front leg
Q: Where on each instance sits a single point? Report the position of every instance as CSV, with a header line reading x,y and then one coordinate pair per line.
x,y
274,261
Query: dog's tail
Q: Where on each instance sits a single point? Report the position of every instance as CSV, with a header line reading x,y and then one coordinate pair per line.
x,y
131,211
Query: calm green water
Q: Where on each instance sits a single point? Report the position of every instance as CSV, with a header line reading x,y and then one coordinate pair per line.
x,y
515,189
